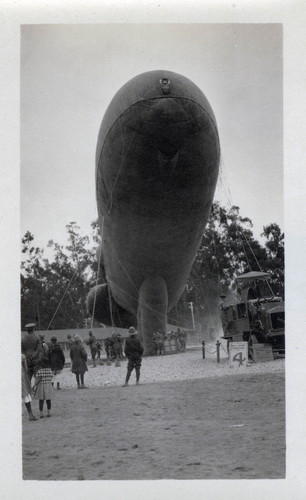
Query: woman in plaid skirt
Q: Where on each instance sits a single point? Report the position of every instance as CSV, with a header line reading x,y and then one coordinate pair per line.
x,y
43,389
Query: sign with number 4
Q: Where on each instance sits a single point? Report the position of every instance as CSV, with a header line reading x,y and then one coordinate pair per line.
x,y
238,354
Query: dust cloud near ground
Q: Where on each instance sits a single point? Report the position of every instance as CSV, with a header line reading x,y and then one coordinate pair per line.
x,y
188,419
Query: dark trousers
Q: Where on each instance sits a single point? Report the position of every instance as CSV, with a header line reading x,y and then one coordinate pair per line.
x,y
41,404
78,377
31,369
133,363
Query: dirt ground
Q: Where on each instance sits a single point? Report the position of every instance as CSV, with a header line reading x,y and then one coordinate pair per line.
x,y
229,427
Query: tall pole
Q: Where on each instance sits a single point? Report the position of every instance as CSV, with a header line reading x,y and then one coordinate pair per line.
x,y
218,351
192,316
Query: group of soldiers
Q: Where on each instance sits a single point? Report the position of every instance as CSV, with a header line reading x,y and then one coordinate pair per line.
x,y
159,339
34,346
114,347
95,348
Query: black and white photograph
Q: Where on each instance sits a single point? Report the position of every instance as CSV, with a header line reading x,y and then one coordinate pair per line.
x,y
126,131
152,341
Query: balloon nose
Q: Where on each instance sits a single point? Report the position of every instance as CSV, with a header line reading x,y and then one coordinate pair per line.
x,y
169,110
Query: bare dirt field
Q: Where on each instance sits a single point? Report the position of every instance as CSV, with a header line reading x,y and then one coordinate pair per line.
x,y
189,419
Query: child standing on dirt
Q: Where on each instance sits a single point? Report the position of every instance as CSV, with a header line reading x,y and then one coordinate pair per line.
x,y
57,359
43,390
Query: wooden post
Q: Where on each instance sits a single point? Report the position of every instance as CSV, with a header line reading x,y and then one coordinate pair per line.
x,y
203,349
218,351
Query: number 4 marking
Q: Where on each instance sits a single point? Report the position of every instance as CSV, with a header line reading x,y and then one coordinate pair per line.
x,y
238,357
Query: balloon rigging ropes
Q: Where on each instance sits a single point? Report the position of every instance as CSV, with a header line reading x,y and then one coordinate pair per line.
x,y
99,262
66,290
239,233
230,205
109,292
157,313
203,291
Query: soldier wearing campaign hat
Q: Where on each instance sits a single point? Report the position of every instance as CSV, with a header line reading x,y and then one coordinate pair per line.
x,y
31,348
133,351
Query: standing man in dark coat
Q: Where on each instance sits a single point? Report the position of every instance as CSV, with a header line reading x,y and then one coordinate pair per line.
x,y
57,359
78,357
133,351
31,348
107,347
99,349
116,346
92,342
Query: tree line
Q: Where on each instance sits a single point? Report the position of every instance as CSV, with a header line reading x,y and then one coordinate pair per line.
x,y
53,291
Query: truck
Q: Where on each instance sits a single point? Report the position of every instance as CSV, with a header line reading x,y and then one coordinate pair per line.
x,y
255,314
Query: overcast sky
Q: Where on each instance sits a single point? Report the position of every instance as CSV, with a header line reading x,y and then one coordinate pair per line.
x,y
69,74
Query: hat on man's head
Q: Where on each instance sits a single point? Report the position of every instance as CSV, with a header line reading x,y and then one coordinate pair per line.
x,y
30,326
77,338
132,330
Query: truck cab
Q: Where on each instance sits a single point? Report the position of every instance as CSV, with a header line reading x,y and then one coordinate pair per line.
x,y
256,315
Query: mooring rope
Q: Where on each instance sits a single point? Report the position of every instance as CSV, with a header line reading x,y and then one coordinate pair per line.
x,y
240,232
210,345
97,279
225,350
66,290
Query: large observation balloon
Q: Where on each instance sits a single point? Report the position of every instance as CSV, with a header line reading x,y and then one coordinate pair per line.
x,y
157,164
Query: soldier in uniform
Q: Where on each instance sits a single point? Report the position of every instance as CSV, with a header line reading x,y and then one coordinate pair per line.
x,y
92,342
107,347
116,346
133,351
99,349
31,348
155,342
160,343
26,388
182,339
